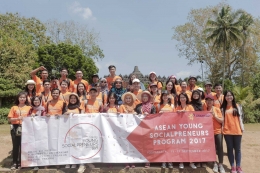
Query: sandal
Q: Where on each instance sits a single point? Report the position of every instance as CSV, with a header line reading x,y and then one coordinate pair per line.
x,y
13,167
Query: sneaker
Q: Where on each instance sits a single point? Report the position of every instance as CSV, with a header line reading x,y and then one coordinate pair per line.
x,y
73,166
170,165
221,169
193,166
239,170
204,165
132,166
147,165
127,166
181,166
36,168
82,168
163,165
233,169
90,165
215,168
198,165
13,167
67,166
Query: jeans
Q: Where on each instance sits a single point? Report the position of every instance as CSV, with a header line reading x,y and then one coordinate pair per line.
x,y
233,143
219,146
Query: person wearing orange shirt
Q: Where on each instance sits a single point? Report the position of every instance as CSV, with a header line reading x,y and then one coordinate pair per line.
x,y
192,84
64,96
218,97
118,90
175,81
184,90
102,97
64,76
172,94
112,76
46,94
137,90
55,107
128,105
95,80
153,79
79,79
111,106
165,103
217,126
93,105
208,89
196,101
233,128
15,117
55,83
155,94
183,102
37,108
30,89
37,80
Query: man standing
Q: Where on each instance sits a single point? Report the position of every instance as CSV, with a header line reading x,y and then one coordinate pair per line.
x,y
192,84
110,79
137,90
95,80
37,80
79,79
64,76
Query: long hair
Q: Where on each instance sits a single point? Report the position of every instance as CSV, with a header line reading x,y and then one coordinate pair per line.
x,y
161,99
130,81
173,90
73,106
110,95
186,96
16,102
234,105
33,91
176,81
84,91
40,99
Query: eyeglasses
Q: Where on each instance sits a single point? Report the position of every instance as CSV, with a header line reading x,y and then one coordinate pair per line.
x,y
118,82
103,82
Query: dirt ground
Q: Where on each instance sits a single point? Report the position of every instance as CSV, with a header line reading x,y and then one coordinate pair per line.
x,y
250,147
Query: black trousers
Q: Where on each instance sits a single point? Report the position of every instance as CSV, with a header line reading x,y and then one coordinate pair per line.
x,y
219,147
16,145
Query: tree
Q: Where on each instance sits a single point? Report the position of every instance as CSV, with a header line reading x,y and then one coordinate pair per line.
x,y
54,57
224,29
74,33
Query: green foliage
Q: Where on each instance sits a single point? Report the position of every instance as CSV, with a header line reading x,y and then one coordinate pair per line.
x,y
55,57
229,85
256,86
8,88
251,108
3,115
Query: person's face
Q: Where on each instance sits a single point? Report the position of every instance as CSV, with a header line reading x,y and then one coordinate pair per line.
x,y
112,99
154,89
79,74
183,86
73,99
44,74
112,70
22,99
80,88
47,85
208,87
169,86
192,81
136,85
98,88
103,83
95,79
229,97
165,97
152,76
183,99
118,84
145,98
133,77
172,79
30,87
64,85
128,99
218,89
93,94
55,94
209,102
36,101
64,73
196,96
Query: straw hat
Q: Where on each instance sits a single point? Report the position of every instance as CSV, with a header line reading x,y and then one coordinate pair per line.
x,y
30,82
128,93
139,96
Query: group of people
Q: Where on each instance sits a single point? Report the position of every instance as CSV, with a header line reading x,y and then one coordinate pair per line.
x,y
55,97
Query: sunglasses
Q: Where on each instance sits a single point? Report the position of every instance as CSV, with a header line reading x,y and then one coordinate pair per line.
x,y
103,82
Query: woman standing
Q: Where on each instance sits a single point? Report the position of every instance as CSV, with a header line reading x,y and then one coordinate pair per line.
x,y
155,94
233,128
196,100
175,81
172,94
153,80
37,108
15,116
165,103
30,89
118,90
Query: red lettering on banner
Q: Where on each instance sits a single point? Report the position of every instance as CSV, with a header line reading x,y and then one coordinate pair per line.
x,y
175,137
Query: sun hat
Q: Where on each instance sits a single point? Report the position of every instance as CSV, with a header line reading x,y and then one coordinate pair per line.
x,y
128,93
200,89
152,72
136,80
172,76
30,82
209,96
192,77
208,83
139,96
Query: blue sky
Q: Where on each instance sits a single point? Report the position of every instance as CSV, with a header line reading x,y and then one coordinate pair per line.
x,y
131,32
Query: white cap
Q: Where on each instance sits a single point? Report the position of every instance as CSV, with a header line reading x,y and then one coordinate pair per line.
x,y
152,72
201,89
136,80
30,82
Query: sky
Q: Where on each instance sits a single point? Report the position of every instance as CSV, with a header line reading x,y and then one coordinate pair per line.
x,y
132,33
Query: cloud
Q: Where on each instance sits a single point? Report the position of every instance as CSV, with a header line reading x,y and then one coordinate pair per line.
x,y
183,74
86,13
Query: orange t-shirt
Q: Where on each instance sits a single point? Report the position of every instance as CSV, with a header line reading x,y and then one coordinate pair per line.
x,y
192,89
159,84
54,108
187,108
74,111
39,84
137,101
231,123
102,99
216,125
218,100
188,94
112,110
16,111
178,88
65,96
211,93
156,99
75,83
110,81
93,106
45,98
123,109
165,108
70,86
172,98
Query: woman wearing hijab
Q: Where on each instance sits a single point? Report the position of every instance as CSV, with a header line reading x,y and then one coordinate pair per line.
x,y
104,86
196,100
118,90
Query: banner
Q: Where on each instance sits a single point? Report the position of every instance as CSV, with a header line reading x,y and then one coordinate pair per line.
x,y
114,138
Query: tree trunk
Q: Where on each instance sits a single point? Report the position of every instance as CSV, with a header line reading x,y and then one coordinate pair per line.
x,y
244,56
224,56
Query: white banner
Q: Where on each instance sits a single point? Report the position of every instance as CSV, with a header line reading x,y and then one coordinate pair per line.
x,y
82,138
